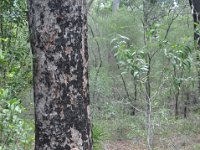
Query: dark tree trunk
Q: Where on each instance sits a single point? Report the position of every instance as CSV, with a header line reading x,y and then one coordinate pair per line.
x,y
152,1
177,103
60,62
186,103
133,112
195,6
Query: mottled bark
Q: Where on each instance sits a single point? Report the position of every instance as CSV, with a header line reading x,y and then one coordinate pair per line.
x,y
59,44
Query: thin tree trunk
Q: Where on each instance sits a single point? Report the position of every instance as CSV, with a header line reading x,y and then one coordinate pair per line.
x,y
135,98
176,103
195,6
146,8
98,67
186,104
149,106
60,62
90,4
177,92
2,44
115,5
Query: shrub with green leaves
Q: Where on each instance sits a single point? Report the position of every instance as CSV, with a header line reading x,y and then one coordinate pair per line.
x,y
98,136
15,132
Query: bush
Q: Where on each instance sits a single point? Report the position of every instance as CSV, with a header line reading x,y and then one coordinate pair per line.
x,y
98,136
15,131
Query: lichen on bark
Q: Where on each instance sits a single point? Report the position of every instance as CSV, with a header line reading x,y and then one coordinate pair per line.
x,y
59,44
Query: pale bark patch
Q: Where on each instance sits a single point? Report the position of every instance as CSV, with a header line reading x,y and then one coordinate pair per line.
x,y
77,140
68,50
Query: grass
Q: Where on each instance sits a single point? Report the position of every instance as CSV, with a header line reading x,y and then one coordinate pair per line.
x,y
170,134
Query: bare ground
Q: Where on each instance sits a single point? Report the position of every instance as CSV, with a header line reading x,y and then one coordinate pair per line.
x,y
174,143
123,145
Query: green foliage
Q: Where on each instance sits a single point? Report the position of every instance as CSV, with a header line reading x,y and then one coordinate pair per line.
x,y
15,57
15,132
180,55
98,136
129,58
163,45
197,147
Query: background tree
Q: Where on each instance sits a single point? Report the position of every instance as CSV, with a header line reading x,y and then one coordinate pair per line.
x,y
60,59
115,5
195,6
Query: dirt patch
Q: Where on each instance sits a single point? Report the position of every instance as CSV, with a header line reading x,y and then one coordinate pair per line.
x,y
124,145
181,142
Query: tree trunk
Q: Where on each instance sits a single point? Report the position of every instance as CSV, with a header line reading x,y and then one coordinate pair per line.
x,y
60,69
177,103
195,6
149,106
146,26
177,93
133,112
186,103
152,1
115,5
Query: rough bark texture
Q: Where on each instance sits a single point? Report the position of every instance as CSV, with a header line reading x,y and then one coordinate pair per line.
x,y
59,43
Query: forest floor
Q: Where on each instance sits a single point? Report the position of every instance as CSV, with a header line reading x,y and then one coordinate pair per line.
x,y
192,143
182,134
124,145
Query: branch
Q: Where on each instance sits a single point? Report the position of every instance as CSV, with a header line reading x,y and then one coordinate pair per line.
x,y
100,59
90,4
